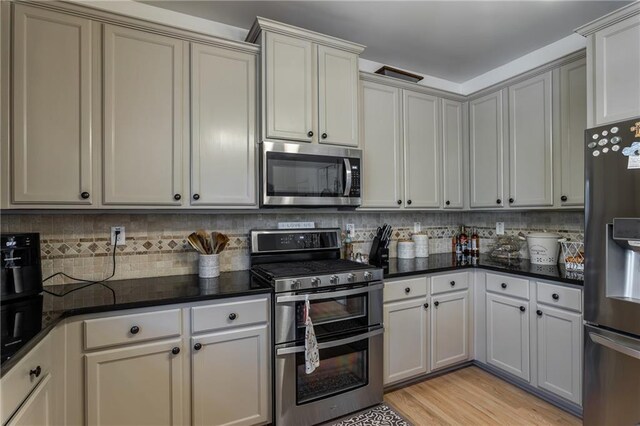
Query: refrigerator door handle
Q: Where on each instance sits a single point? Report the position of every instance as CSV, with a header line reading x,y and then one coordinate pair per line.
x,y
616,346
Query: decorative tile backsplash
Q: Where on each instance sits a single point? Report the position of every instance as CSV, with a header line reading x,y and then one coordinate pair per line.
x,y
156,245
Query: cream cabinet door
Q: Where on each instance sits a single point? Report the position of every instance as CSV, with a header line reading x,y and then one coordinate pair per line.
x,y
530,148
289,100
51,144
560,352
337,96
223,145
449,329
508,335
143,117
405,339
382,146
452,154
37,410
617,71
231,378
573,122
486,144
421,118
135,385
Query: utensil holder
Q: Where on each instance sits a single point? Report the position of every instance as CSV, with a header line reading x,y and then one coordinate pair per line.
x,y
209,265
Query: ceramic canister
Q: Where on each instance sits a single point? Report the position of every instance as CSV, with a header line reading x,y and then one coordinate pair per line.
x,y
422,244
406,249
209,265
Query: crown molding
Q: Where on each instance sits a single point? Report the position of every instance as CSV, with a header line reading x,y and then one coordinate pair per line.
x,y
609,19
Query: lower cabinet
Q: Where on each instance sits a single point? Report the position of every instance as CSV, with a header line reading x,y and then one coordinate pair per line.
x,y
230,377
559,341
508,334
38,408
140,384
449,329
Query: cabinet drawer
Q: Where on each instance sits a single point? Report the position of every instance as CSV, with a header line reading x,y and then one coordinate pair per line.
x,y
502,284
18,383
229,314
405,289
562,297
449,282
125,329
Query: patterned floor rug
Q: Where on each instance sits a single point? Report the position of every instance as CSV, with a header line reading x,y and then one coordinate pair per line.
x,y
381,415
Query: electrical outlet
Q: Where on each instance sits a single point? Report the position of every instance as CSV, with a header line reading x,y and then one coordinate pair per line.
x,y
351,228
499,228
417,227
121,238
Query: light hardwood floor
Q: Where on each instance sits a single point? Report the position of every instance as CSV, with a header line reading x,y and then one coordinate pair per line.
x,y
471,396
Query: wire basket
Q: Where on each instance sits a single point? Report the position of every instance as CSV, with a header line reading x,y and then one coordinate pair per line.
x,y
573,255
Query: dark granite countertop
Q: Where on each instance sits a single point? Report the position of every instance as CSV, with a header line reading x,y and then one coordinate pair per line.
x,y
135,293
447,262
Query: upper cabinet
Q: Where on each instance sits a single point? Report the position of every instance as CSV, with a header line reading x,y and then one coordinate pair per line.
x,y
52,146
613,48
309,85
454,153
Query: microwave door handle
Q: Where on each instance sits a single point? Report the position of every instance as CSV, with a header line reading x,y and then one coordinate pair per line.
x,y
329,294
332,344
347,181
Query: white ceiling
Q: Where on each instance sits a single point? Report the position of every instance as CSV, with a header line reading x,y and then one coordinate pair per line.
x,y
453,40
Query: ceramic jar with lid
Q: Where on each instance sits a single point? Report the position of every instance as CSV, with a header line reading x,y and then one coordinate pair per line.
x,y
422,244
406,249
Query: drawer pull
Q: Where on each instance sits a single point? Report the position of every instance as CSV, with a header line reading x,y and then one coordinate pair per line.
x,y
85,195
135,329
503,285
555,296
453,283
233,316
407,290
436,303
175,350
197,346
539,312
522,309
35,372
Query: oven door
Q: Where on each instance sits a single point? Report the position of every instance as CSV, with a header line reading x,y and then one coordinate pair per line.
x,y
309,175
334,311
348,379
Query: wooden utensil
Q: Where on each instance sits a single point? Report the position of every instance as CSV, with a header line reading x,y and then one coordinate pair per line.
x,y
221,242
195,243
214,240
206,242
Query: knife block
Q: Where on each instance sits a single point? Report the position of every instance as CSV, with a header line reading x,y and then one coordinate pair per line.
x,y
378,255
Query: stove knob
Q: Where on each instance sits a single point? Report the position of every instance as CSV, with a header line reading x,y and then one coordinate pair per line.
x,y
295,284
367,276
334,279
315,282
351,277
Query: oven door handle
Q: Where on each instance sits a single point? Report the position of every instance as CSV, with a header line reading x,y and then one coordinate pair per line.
x,y
347,171
329,294
332,344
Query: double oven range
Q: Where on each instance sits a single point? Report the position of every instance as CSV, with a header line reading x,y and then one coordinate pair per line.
x,y
346,309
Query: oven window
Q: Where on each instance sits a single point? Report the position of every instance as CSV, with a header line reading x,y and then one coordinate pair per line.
x,y
334,314
301,175
342,368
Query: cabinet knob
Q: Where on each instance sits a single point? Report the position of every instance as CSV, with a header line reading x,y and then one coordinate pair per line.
x,y
522,309
436,303
407,290
539,312
310,133
503,285
453,283
196,196
426,305
408,201
85,195
511,200
498,201
399,202
35,372
175,350
197,346
135,329
447,202
555,296
177,197
233,316
564,198
324,136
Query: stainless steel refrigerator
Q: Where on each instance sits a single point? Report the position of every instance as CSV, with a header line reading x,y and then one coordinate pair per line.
x,y
612,275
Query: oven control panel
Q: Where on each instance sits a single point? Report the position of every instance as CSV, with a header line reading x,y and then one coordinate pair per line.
x,y
269,241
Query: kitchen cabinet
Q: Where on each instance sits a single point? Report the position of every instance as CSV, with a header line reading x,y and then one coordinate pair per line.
x,y
237,392
310,85
38,408
530,143
613,52
559,344
453,154
144,85
52,146
487,151
507,334
573,122
223,128
450,326
421,118
382,146
140,384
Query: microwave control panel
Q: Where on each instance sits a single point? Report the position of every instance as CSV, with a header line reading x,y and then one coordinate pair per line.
x,y
355,177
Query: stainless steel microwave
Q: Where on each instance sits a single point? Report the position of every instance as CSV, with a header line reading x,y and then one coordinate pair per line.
x,y
305,175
